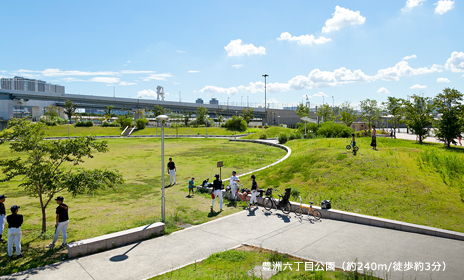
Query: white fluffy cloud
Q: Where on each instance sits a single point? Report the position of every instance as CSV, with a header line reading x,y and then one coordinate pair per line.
x,y
236,48
443,6
108,80
409,57
456,62
443,80
383,90
402,69
303,39
158,77
417,86
136,72
126,84
238,66
192,71
146,93
411,4
341,18
215,90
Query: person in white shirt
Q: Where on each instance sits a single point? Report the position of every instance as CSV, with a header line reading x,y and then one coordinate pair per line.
x,y
233,181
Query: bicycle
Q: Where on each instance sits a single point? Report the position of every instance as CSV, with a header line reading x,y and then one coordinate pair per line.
x,y
283,203
355,148
311,212
240,196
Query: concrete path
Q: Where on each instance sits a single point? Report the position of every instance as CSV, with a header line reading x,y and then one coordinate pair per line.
x,y
324,241
413,137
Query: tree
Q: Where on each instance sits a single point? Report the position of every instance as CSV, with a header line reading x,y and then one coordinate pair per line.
x,y
187,116
419,115
394,107
325,113
219,115
302,110
160,110
347,114
41,164
448,104
248,115
175,119
69,109
51,112
236,124
108,114
370,112
201,115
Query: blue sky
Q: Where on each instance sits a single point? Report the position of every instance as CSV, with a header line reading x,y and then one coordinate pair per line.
x,y
351,50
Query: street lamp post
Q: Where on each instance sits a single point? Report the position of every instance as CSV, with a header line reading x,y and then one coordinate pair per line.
x,y
265,98
162,118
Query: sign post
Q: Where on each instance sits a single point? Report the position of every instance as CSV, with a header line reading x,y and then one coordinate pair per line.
x,y
220,164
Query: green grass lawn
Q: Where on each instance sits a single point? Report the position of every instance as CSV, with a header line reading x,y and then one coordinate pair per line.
x,y
270,132
138,201
393,182
235,264
62,131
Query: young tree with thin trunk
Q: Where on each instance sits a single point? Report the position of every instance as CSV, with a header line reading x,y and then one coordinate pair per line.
x,y
347,114
325,113
370,112
302,110
449,105
41,164
419,115
69,109
395,107
248,115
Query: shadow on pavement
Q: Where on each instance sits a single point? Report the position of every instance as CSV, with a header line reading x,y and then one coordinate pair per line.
x,y
124,256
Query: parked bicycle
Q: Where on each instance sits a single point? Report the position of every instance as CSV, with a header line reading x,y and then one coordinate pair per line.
x,y
283,203
349,147
241,195
316,214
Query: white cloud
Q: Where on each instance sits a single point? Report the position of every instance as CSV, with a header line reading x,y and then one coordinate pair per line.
x,y
383,90
417,86
341,18
146,93
443,6
411,4
303,39
136,72
409,57
128,61
180,51
402,69
443,80
193,71
59,73
107,80
126,84
158,77
456,62
238,66
319,94
70,79
215,90
236,48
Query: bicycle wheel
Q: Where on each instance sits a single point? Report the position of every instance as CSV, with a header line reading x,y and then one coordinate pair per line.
x,y
316,214
299,212
348,147
268,203
286,208
355,148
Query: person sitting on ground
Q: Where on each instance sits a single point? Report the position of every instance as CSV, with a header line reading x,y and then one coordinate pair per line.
x,y
191,186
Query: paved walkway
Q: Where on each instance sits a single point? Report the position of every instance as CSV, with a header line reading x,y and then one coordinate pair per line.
x,y
325,241
407,136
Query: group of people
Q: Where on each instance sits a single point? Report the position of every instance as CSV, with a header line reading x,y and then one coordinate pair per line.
x,y
233,183
15,222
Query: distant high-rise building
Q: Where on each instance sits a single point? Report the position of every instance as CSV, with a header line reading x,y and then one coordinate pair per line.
x,y
213,101
24,84
199,101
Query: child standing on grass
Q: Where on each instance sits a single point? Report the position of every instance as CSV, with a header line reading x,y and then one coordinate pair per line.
x,y
191,186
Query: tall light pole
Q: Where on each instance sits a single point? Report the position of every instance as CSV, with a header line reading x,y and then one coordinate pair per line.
x,y
163,119
333,103
265,93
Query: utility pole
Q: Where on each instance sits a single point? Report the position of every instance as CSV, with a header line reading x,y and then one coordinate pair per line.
x,y
265,99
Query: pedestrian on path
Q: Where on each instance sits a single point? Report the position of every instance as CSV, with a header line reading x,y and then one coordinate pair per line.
x,y
217,191
62,222
2,217
254,191
459,138
374,138
14,231
172,172
192,186
233,181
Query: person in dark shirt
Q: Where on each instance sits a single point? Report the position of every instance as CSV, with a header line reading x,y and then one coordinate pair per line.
x,y
217,191
14,231
2,217
254,191
62,222
172,171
